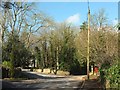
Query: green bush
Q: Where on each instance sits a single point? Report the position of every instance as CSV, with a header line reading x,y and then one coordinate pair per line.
x,y
18,72
5,72
75,68
112,74
8,68
7,64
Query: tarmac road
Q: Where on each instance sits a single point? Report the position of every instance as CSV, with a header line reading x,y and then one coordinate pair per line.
x,y
44,82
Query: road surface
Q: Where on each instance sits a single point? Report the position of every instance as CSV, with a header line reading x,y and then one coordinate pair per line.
x,y
46,82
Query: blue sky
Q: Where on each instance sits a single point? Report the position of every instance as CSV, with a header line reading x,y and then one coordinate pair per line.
x,y
76,12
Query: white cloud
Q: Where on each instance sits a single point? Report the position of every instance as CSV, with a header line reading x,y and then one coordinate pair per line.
x,y
115,22
74,19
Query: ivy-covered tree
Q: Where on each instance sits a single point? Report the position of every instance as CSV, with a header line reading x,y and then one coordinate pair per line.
x,y
68,50
84,26
16,52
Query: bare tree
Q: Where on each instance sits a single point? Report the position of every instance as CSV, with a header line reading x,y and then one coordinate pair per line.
x,y
98,19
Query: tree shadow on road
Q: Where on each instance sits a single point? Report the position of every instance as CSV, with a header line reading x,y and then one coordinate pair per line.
x,y
36,76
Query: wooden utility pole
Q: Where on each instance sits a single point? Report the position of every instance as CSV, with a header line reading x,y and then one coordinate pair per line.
x,y
57,57
88,42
